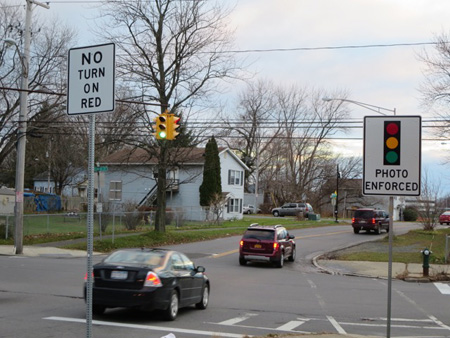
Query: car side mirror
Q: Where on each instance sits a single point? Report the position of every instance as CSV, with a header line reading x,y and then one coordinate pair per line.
x,y
200,269
291,236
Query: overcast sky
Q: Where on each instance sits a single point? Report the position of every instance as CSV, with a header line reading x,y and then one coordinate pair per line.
x,y
387,76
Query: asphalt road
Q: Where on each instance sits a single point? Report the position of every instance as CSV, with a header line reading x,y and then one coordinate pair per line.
x,y
42,297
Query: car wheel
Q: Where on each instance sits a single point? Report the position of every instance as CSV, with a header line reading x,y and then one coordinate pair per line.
x,y
205,298
276,213
377,230
242,260
280,262
171,312
98,309
356,231
293,254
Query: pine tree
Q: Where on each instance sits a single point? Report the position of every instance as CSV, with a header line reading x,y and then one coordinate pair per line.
x,y
211,185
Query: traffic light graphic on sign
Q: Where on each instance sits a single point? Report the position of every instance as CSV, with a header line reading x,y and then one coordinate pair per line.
x,y
391,143
161,127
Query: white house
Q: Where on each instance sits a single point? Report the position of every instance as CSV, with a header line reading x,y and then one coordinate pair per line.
x,y
76,185
132,174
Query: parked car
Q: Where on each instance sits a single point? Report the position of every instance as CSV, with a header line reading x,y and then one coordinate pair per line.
x,y
267,243
370,219
148,279
445,218
293,209
250,209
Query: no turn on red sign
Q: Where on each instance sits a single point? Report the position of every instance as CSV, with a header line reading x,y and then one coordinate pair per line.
x,y
392,155
91,79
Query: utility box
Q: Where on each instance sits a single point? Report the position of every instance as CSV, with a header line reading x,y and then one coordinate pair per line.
x,y
313,217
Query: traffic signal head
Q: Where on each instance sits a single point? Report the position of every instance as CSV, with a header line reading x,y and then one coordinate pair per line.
x,y
172,126
161,127
391,143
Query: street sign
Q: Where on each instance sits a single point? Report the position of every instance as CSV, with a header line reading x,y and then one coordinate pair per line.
x,y
392,155
91,79
97,169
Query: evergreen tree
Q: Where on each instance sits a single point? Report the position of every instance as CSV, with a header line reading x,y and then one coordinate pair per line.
x,y
211,185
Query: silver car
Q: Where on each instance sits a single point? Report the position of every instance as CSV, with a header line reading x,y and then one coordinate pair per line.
x,y
293,209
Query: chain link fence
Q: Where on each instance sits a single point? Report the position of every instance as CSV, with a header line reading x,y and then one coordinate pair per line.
x,y
104,223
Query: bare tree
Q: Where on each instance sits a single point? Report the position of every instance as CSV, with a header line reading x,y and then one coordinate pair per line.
x,y
427,206
435,88
178,49
49,46
301,153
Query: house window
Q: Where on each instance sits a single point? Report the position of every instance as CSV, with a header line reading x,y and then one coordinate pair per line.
x,y
235,205
115,190
235,177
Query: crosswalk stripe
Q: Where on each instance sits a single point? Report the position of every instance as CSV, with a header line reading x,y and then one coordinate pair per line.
x,y
236,320
289,326
443,288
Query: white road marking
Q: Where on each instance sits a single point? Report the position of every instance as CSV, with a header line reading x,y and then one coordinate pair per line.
x,y
438,322
236,320
289,326
336,325
149,327
443,288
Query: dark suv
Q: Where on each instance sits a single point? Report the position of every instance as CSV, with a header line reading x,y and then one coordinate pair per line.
x,y
293,209
370,219
267,243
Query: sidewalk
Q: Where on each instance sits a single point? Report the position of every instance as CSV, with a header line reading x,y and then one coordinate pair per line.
x,y
49,251
412,272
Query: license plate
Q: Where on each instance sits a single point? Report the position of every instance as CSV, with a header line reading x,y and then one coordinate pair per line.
x,y
257,246
119,274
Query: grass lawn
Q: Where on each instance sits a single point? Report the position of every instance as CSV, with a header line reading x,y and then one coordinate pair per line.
x,y
39,230
406,248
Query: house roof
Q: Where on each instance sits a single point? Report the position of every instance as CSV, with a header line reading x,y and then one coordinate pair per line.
x,y
181,156
139,156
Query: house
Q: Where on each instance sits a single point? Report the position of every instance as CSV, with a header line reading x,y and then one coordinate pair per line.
x,y
132,176
76,185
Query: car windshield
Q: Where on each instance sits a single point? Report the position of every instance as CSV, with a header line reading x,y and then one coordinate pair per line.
x,y
259,234
151,258
364,213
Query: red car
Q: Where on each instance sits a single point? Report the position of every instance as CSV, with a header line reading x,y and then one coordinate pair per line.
x,y
445,218
266,243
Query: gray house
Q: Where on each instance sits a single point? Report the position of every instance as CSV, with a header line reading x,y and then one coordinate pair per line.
x,y
132,175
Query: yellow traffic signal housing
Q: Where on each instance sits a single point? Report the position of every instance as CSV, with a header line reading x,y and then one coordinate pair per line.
x,y
161,127
172,126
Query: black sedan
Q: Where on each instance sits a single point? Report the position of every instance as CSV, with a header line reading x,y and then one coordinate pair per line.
x,y
149,279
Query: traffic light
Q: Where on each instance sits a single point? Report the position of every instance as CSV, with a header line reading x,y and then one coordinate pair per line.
x,y
391,143
161,126
172,126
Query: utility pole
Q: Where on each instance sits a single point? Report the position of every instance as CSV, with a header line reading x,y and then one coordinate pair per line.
x,y
337,193
22,130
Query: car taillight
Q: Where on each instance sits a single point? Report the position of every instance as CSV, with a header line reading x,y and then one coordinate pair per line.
x,y
275,246
373,221
353,219
152,279
241,243
85,276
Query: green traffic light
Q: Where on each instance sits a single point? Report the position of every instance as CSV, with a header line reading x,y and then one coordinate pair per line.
x,y
162,134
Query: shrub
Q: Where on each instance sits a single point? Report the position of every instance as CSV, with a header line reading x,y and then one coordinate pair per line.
x,y
410,214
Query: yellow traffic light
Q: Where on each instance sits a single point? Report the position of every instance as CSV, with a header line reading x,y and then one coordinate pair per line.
x,y
161,127
172,126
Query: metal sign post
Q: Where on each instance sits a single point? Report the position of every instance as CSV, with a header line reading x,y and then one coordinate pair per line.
x,y
90,90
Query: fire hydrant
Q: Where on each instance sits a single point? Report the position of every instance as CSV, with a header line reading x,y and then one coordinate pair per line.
x,y
426,261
